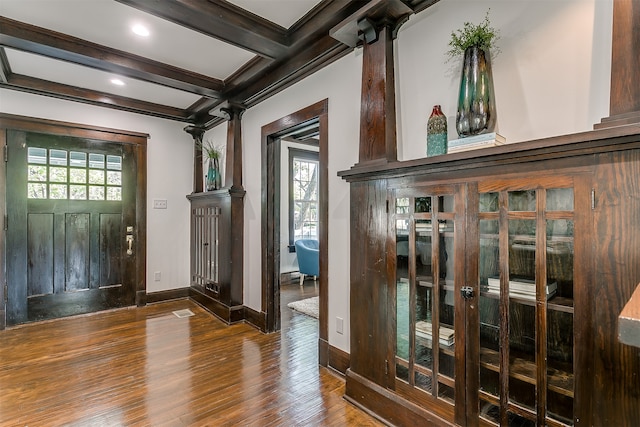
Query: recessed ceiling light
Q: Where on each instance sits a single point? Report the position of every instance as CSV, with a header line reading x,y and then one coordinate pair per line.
x,y
117,82
140,30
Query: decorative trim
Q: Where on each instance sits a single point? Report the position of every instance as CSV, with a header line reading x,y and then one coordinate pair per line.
x,y
332,357
168,295
256,318
388,406
339,360
227,314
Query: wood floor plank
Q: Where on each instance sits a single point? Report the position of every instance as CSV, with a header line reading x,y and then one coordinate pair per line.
x,y
147,367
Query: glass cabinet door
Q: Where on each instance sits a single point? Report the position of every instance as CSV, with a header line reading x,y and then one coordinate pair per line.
x,y
525,307
425,231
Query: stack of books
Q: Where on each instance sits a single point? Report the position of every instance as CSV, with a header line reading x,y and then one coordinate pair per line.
x,y
426,227
521,288
475,142
446,335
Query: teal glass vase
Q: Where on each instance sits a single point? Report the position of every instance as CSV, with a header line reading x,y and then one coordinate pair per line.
x,y
436,133
214,179
476,101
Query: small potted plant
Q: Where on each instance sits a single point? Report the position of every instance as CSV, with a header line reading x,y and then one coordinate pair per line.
x,y
476,101
213,153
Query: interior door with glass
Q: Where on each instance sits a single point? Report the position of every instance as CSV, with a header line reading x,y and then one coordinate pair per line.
x,y
526,275
71,226
429,323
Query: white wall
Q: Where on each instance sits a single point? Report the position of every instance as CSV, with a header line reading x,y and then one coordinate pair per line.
x,y
169,175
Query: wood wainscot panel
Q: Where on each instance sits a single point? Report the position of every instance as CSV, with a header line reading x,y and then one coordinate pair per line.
x,y
369,280
617,272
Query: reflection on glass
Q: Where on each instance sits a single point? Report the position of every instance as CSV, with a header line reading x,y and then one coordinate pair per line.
x,y
446,203
489,202
489,313
517,420
522,319
523,201
57,191
447,300
78,192
423,204
58,157
78,176
114,178
560,199
37,155
114,162
96,161
424,300
560,320
36,190
114,193
57,174
96,192
78,159
37,173
96,176
402,205
402,297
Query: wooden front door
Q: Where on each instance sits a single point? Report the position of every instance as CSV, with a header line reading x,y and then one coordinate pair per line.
x,y
71,210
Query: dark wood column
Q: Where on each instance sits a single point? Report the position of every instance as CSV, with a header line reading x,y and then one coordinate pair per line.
x,y
378,102
374,27
196,132
624,106
233,162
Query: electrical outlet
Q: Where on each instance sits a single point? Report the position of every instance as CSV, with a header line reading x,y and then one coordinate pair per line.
x,y
159,203
157,276
339,325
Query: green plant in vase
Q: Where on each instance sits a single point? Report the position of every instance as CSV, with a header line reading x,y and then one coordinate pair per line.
x,y
213,153
476,101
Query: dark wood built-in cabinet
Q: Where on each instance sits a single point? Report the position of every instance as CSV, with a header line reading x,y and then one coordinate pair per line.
x,y
214,277
488,290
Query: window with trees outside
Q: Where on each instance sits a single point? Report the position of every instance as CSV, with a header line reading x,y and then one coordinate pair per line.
x,y
303,195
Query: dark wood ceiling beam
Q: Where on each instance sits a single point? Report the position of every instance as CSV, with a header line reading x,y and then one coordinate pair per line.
x,y
5,68
285,73
322,18
221,20
38,40
102,99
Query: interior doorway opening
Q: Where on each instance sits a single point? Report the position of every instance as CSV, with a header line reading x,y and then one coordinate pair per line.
x,y
307,124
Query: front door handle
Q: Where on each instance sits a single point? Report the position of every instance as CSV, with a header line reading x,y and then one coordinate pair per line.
x,y
130,242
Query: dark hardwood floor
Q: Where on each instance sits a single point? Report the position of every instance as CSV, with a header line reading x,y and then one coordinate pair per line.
x,y
147,367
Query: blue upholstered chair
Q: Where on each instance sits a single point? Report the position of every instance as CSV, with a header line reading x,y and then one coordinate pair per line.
x,y
308,258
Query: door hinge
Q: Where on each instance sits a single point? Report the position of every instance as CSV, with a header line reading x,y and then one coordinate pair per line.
x,y
6,222
387,206
6,293
6,153
386,366
593,198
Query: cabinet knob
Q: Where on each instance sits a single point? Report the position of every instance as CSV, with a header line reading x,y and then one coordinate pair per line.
x,y
467,292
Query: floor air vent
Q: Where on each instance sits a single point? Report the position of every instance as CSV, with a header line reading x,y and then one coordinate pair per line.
x,y
183,313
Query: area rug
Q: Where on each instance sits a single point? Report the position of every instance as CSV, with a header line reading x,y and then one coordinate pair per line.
x,y
307,306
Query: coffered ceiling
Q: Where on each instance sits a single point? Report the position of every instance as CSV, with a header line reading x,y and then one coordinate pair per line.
x,y
198,54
